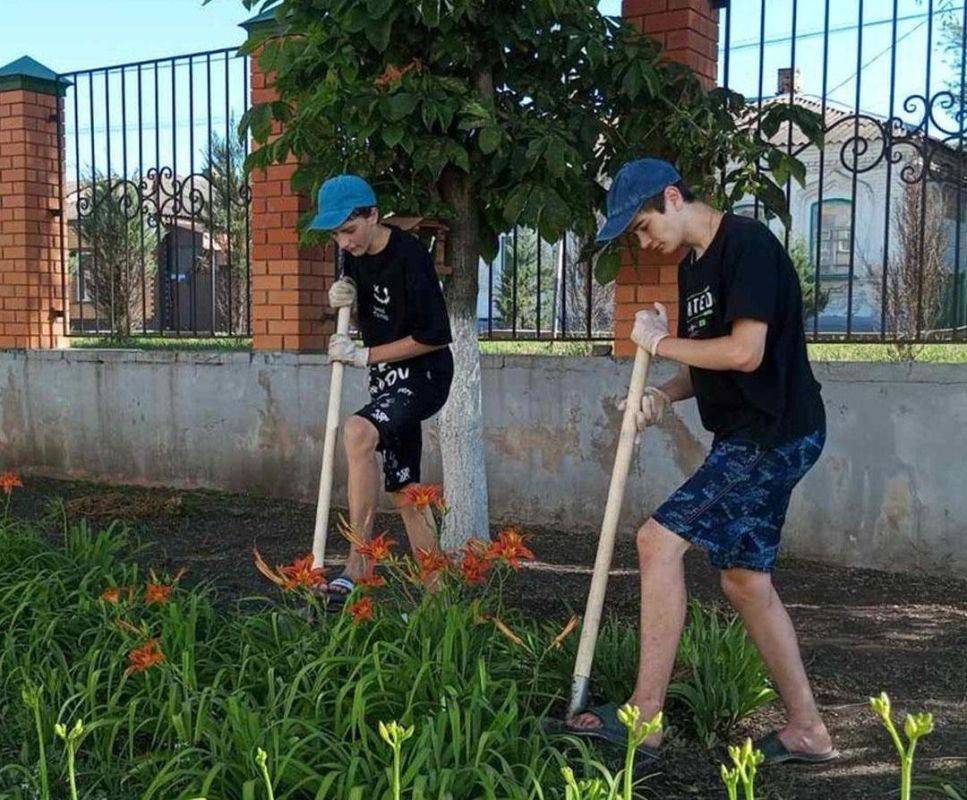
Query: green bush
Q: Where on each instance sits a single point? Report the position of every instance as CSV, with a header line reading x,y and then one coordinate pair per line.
x,y
722,678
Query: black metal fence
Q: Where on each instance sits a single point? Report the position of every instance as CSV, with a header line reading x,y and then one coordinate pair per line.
x,y
157,200
535,290
158,203
878,230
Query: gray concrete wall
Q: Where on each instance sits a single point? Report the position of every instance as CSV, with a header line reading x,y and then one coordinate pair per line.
x,y
890,490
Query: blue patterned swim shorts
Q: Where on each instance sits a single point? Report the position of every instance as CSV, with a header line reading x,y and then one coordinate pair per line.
x,y
735,505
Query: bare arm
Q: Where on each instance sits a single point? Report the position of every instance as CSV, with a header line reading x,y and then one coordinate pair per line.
x,y
742,350
400,350
680,386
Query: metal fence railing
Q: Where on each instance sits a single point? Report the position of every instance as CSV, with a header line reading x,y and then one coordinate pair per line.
x,y
158,233
536,290
878,230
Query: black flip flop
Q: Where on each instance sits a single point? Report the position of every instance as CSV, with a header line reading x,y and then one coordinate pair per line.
x,y
335,600
776,752
611,730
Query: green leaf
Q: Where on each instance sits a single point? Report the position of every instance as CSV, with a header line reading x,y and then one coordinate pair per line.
x,y
489,140
459,156
258,120
392,134
378,8
400,105
555,158
378,32
515,203
606,265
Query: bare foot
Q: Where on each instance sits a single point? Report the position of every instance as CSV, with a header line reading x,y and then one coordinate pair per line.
x,y
813,738
588,721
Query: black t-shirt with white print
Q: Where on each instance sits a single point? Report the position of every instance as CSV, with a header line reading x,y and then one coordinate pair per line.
x,y
399,295
745,273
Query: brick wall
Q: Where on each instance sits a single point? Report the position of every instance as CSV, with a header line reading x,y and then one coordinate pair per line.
x,y
290,309
31,265
688,33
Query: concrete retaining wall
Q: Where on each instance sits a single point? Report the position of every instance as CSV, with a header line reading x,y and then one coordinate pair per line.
x,y
890,490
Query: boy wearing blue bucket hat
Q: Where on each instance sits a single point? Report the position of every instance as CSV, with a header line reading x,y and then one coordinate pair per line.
x,y
388,275
741,343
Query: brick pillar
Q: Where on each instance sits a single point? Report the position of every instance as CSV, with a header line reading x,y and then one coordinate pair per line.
x,y
31,263
290,308
687,30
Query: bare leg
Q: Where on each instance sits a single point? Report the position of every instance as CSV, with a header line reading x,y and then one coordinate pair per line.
x,y
663,605
361,439
421,530
754,597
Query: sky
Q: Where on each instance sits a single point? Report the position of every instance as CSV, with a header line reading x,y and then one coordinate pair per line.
x,y
69,35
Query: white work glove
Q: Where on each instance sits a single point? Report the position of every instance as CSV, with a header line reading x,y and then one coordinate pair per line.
x,y
650,328
344,350
342,293
654,401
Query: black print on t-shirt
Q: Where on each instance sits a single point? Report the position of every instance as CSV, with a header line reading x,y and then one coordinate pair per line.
x,y
699,310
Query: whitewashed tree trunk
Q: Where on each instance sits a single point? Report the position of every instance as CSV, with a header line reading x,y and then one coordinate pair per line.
x,y
461,421
461,440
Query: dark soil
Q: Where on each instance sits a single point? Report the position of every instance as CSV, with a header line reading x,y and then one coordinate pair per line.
x,y
862,631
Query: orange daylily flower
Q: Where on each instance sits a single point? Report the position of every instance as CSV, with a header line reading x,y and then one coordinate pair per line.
x,y
372,580
421,495
361,610
378,549
157,593
145,657
510,548
474,567
301,573
431,562
111,595
10,481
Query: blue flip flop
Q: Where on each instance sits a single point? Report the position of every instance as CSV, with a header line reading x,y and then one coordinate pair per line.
x,y
611,730
344,586
776,752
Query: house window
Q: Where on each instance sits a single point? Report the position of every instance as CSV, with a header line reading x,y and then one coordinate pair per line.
x,y
833,239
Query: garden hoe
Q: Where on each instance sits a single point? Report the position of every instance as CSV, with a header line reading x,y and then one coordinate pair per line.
x,y
602,561
329,449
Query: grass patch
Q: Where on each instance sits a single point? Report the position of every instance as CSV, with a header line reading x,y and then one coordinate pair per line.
x,y
927,354
218,343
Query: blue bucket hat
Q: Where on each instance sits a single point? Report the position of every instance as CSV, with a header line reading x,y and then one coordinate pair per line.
x,y
338,198
635,182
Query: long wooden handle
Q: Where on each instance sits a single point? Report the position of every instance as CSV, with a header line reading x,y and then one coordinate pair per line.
x,y
329,448
609,527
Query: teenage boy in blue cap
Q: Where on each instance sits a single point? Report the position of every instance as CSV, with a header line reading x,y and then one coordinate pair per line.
x,y
741,345
402,319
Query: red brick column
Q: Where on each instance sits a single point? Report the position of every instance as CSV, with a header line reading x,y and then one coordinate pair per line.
x,y
31,263
688,32
290,308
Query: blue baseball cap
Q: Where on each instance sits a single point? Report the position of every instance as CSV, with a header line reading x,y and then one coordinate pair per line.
x,y
338,198
635,182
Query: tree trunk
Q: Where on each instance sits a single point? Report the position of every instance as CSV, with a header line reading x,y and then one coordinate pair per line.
x,y
461,421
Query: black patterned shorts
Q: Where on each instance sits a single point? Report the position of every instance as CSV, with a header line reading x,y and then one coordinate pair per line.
x,y
735,505
402,397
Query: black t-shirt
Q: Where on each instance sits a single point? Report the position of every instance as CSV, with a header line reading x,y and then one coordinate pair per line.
x,y
746,273
399,295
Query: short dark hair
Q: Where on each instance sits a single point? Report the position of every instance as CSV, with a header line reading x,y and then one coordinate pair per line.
x,y
362,211
657,202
